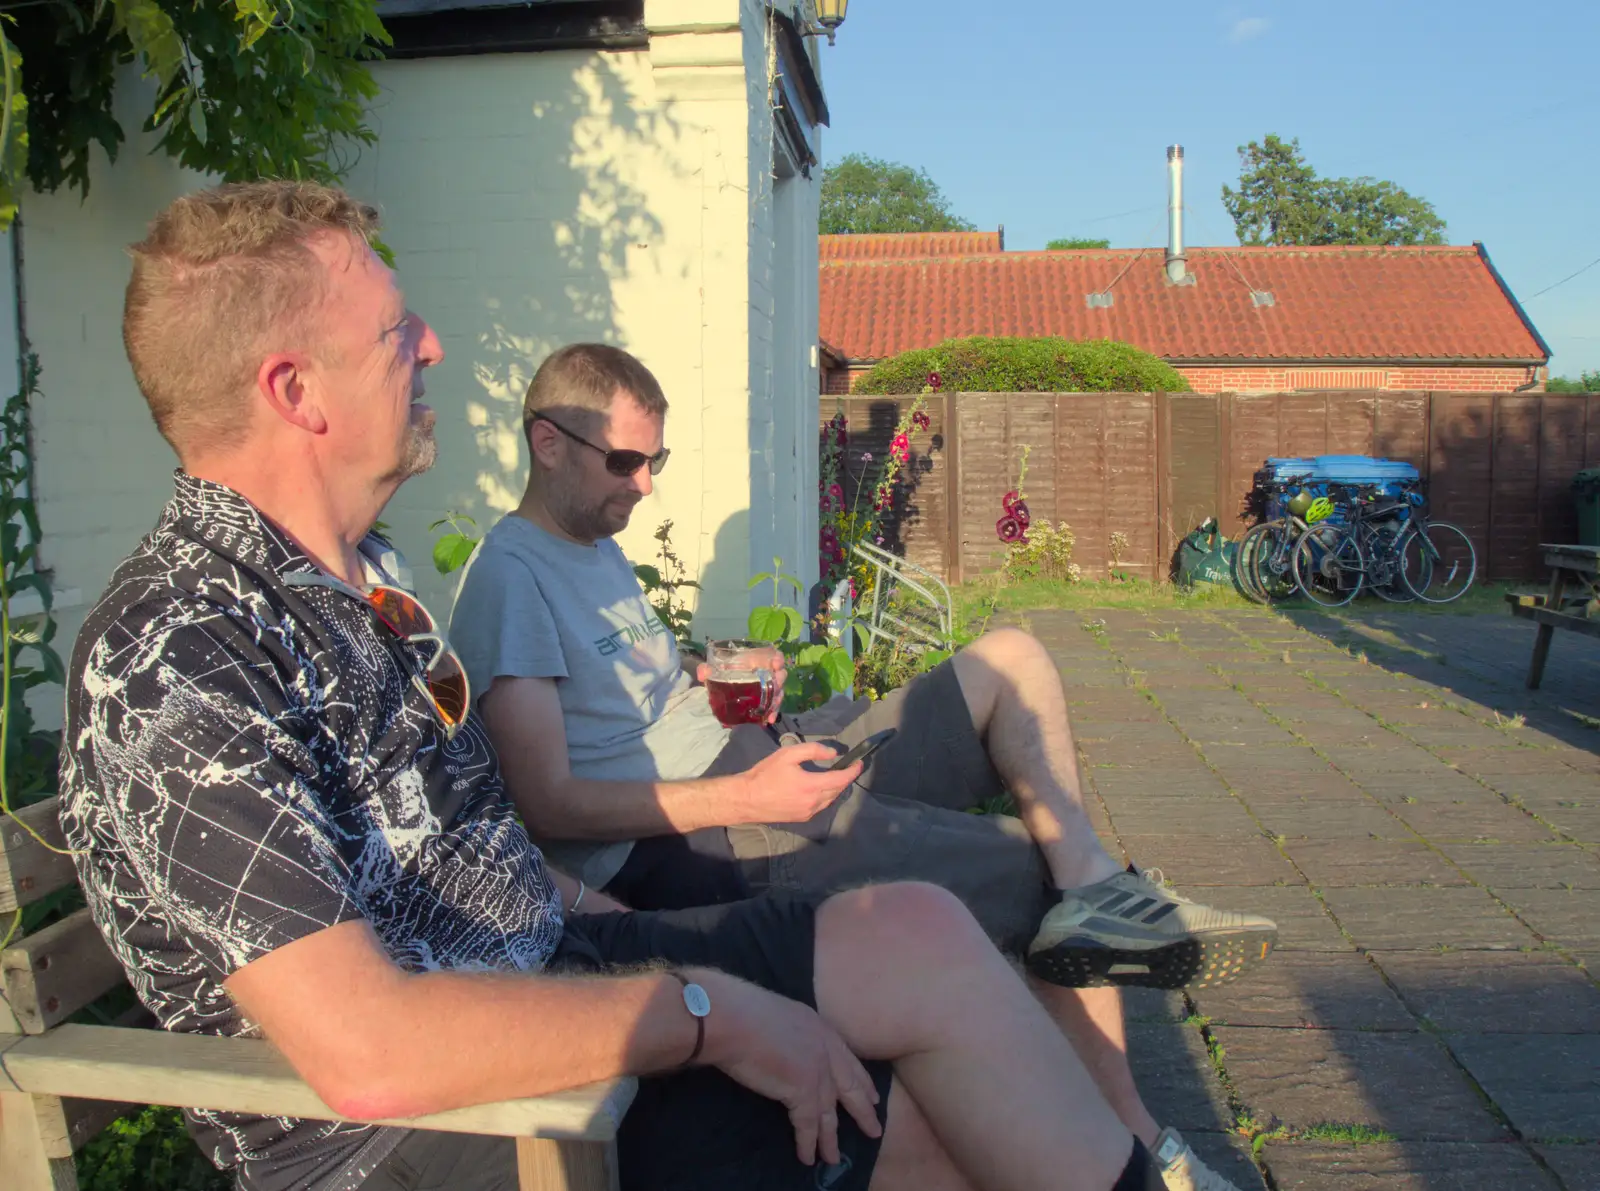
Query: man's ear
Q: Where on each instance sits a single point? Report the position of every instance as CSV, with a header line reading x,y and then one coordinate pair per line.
x,y
284,382
544,444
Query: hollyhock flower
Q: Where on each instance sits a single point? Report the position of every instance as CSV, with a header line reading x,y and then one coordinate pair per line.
x,y
1009,499
921,420
1019,510
900,448
1008,529
841,438
935,381
837,492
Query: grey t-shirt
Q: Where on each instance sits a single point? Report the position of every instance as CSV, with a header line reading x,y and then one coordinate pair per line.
x,y
532,605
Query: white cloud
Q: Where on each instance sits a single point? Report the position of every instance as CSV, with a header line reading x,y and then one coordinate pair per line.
x,y
1247,28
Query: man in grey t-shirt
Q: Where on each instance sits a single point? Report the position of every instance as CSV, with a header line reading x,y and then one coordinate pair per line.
x,y
612,757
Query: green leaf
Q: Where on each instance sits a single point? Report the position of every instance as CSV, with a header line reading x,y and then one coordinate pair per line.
x,y
768,623
931,658
154,37
839,669
794,623
50,663
810,655
34,582
758,580
451,551
649,576
863,637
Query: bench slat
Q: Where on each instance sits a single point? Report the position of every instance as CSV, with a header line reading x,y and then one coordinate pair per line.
x,y
1560,620
29,870
249,1075
52,973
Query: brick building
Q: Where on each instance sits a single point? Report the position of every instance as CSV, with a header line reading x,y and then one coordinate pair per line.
x,y
1242,319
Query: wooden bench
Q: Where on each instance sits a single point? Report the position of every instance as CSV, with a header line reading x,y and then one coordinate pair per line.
x,y
61,1083
1573,601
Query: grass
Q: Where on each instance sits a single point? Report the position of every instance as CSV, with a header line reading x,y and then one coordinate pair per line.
x,y
980,600
1361,1135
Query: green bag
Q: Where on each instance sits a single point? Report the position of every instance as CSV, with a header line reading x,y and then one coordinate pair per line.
x,y
1206,556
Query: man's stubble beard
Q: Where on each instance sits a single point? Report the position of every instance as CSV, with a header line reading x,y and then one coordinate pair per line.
x,y
562,499
421,449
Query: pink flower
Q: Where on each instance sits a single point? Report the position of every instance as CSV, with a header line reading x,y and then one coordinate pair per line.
x,y
1009,499
1019,510
853,589
935,381
837,492
921,420
866,456
1008,529
841,438
900,448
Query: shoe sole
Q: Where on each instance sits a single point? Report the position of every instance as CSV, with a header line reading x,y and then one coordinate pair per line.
x,y
1201,961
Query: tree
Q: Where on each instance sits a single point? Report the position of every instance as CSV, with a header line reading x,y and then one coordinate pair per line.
x,y
244,88
863,194
1075,242
1587,382
1281,200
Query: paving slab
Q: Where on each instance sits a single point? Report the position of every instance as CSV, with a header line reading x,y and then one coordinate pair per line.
x,y
1176,1079
1340,819
1495,991
1204,860
1527,866
1568,917
1410,1166
1577,1165
1330,863
1548,1085
1153,1006
1229,1155
1405,1084
1478,819
1419,918
1328,990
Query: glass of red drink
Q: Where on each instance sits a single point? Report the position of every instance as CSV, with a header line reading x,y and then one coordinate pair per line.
x,y
741,683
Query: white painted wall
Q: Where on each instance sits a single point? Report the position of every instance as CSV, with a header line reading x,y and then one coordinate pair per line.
x,y
531,200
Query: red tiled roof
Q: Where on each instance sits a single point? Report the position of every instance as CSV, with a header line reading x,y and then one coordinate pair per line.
x,y
883,247
1332,303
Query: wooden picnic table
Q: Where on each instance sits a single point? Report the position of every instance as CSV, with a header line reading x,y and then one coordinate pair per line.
x,y
1573,601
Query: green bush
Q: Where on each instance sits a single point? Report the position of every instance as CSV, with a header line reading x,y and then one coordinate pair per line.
x,y
151,1151
1049,365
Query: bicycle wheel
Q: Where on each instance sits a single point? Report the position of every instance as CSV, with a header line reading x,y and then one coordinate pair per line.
x,y
1329,566
1382,544
1244,564
1439,563
1273,564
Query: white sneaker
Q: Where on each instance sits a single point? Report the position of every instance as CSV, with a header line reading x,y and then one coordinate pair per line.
x,y
1181,1169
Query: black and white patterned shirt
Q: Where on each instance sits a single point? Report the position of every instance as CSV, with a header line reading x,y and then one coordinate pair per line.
x,y
246,763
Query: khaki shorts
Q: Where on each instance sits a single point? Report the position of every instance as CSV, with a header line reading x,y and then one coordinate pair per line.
x,y
907,818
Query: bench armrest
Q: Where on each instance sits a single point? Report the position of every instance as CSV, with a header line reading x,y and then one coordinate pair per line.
x,y
249,1075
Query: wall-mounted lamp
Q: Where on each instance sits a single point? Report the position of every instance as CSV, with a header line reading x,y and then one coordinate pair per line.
x,y
830,15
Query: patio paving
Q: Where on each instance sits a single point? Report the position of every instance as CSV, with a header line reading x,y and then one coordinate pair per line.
x,y
1427,834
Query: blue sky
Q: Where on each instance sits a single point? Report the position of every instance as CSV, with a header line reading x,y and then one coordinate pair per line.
x,y
1053,118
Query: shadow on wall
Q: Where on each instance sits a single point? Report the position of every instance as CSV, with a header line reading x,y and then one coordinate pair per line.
x,y
521,221
725,576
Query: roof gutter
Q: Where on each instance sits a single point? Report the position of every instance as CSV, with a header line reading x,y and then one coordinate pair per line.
x,y
1483,255
1358,361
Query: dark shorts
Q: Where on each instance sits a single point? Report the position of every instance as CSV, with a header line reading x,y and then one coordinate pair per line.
x,y
906,819
696,1131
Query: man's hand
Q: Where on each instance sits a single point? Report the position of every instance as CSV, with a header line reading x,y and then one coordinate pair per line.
x,y
782,789
782,1050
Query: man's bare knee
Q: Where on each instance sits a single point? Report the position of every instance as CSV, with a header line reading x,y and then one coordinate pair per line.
x,y
908,914
912,1158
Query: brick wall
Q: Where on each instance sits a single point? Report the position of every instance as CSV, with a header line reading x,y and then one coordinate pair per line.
x,y
1223,378
1265,379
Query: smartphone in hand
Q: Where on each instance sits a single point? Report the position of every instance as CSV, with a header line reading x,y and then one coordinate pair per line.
x,y
864,750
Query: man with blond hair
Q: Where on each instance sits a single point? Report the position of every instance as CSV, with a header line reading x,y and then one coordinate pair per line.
x,y
289,821
620,769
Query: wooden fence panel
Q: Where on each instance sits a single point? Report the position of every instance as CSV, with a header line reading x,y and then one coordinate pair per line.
x,y
1191,457
1132,481
988,470
917,523
1303,418
1461,463
1349,419
1514,504
1081,459
1400,428
1562,439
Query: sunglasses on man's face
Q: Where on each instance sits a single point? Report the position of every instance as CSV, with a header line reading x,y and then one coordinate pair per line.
x,y
443,678
618,463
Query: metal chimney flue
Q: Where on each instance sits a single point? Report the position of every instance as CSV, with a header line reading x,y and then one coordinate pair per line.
x,y
1177,261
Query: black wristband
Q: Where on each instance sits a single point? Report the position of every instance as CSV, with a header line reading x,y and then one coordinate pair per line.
x,y
699,1024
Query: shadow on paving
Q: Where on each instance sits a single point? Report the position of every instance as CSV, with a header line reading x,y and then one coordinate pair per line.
x,y
1481,658
1427,1022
